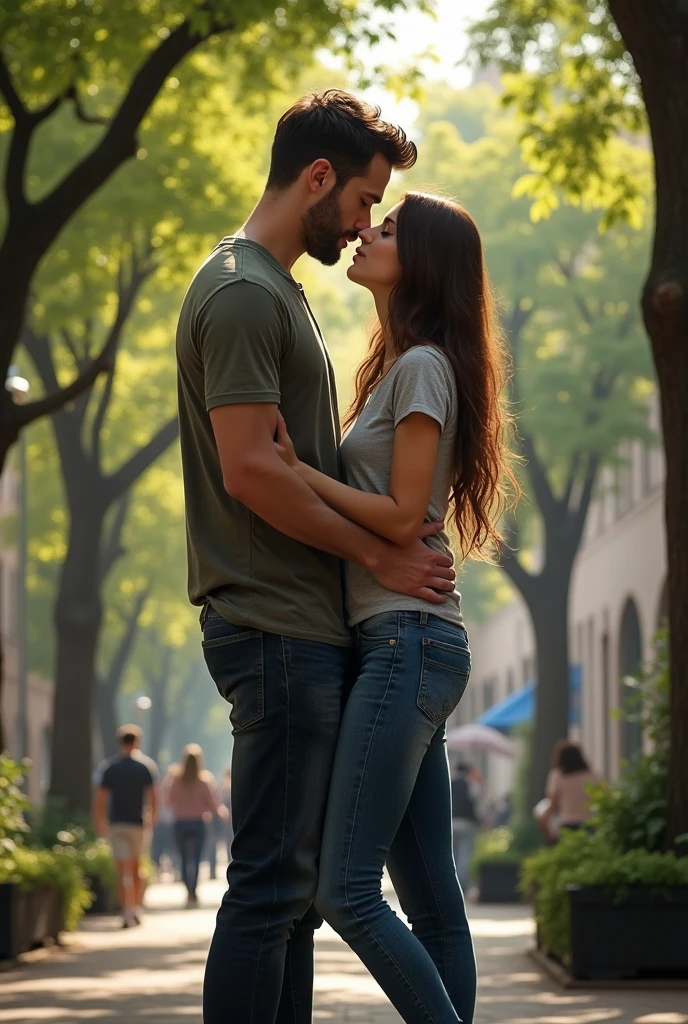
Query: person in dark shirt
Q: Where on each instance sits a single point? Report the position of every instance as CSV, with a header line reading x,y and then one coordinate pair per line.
x,y
126,809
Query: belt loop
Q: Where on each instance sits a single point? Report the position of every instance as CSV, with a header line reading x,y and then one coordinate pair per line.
x,y
204,613
423,618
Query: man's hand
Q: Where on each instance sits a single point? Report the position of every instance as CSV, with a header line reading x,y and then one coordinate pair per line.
x,y
417,570
284,445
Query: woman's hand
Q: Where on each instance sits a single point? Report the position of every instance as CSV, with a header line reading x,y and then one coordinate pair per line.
x,y
284,444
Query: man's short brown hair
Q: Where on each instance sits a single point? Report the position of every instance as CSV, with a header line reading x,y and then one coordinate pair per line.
x,y
129,734
335,126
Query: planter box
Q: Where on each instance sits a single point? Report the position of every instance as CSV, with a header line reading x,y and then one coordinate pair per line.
x,y
104,897
642,936
28,919
498,882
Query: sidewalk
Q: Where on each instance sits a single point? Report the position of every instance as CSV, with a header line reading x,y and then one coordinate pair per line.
x,y
153,975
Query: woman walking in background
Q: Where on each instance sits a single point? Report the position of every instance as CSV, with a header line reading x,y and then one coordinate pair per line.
x,y
568,798
427,435
193,800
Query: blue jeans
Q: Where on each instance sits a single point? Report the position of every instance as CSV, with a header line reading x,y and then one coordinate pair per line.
x,y
286,696
189,836
390,801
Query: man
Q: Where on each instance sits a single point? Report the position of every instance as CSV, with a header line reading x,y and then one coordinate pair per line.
x,y
126,808
264,551
465,790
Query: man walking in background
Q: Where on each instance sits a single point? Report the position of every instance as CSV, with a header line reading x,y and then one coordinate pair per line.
x,y
126,811
465,791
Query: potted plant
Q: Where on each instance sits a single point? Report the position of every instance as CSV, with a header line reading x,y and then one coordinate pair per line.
x,y
496,866
604,913
41,891
613,902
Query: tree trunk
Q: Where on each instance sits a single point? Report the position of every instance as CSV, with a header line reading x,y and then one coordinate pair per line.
x,y
78,614
108,719
549,613
657,38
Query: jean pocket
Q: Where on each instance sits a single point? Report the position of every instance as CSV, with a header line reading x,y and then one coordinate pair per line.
x,y
234,656
445,669
379,630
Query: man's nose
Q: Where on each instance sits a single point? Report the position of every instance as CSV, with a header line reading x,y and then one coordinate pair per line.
x,y
363,222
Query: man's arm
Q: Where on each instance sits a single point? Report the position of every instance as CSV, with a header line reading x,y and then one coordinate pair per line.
x,y
153,803
399,515
255,475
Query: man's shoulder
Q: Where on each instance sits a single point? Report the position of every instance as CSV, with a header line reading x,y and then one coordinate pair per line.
x,y
238,261
146,763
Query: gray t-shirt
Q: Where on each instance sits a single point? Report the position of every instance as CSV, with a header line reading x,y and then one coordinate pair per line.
x,y
421,380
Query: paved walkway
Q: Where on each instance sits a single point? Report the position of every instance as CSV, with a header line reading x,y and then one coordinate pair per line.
x,y
153,975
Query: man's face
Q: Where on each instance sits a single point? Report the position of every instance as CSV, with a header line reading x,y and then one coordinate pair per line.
x,y
336,219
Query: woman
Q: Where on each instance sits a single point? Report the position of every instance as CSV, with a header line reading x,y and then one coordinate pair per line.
x,y
193,800
426,432
568,794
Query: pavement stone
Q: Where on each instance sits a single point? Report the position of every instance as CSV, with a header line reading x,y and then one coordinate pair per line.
x,y
153,975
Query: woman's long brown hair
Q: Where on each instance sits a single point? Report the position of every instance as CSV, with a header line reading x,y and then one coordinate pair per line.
x,y
443,298
191,768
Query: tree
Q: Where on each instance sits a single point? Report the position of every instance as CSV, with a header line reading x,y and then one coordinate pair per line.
x,y
584,74
579,384
58,56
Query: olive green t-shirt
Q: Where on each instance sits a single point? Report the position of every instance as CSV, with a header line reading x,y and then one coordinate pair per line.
x,y
246,334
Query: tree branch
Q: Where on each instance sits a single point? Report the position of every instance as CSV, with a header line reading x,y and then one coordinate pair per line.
x,y
11,96
114,675
118,143
581,512
113,549
142,267
544,496
57,399
571,478
127,475
520,577
81,114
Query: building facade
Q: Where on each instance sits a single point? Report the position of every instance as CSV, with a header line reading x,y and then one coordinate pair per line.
x,y
617,602
39,694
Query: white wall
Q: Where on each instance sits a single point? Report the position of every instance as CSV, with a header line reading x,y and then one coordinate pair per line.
x,y
622,557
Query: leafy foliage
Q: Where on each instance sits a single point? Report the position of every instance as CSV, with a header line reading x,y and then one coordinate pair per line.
x,y
26,862
575,91
13,803
633,813
33,868
580,859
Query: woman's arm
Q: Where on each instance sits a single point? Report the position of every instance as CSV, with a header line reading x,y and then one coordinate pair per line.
x,y
399,515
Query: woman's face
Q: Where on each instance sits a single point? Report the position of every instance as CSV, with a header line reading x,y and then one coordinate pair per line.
x,y
376,261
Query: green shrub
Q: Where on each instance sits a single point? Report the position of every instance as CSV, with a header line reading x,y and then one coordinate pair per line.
x,y
13,803
494,847
32,868
96,860
632,813
580,858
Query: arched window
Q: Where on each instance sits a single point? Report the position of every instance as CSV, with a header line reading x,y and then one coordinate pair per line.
x,y
630,658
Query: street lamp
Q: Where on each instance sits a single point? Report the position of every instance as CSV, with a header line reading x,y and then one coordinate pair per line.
x,y
19,388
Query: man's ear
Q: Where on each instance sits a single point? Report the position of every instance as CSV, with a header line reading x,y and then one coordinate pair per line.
x,y
321,175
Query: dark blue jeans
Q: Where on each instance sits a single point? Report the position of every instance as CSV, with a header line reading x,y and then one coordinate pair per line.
x,y
390,801
286,696
189,836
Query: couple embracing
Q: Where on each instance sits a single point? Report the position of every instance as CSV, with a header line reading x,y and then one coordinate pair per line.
x,y
331,622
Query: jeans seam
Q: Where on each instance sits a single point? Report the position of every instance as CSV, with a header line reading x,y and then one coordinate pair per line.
x,y
438,902
284,822
377,942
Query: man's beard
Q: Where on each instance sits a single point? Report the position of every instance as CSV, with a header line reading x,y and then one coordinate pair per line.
x,y
322,229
